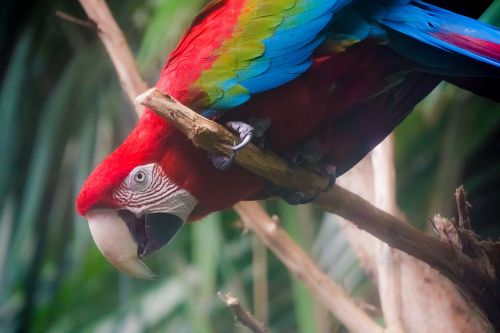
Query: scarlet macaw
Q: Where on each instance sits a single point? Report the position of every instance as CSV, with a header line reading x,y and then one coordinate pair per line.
x,y
340,72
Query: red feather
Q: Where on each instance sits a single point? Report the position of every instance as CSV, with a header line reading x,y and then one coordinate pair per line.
x,y
192,56
478,46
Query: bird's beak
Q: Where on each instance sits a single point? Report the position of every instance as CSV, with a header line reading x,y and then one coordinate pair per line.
x,y
125,239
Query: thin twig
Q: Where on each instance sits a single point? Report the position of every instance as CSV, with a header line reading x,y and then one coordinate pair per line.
x,y
463,208
242,315
326,291
70,18
117,47
461,237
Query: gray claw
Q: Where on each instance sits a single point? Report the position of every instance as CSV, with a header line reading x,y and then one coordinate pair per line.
x,y
244,141
246,132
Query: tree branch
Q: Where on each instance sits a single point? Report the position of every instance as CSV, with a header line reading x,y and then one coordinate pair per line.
x,y
215,138
332,296
75,20
474,280
242,315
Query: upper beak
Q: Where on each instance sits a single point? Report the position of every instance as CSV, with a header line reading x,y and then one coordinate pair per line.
x,y
124,239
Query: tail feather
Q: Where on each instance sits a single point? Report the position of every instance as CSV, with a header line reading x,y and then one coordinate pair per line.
x,y
485,48
435,37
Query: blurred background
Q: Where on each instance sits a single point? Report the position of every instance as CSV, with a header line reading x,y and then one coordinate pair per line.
x,y
62,110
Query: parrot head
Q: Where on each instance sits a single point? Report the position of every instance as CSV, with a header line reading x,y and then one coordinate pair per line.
x,y
138,198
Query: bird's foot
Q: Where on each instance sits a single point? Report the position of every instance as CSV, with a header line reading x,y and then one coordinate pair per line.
x,y
300,198
254,129
311,152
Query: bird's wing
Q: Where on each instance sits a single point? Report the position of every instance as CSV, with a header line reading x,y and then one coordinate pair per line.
x,y
236,48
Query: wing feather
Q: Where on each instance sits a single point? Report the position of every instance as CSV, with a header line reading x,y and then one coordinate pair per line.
x,y
271,43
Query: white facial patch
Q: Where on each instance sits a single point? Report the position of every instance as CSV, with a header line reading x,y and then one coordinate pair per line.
x,y
148,190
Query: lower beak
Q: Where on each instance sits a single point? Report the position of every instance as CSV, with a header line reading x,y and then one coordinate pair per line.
x,y
125,239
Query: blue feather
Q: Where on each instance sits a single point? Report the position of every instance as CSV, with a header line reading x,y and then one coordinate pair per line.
x,y
272,79
256,68
287,53
426,23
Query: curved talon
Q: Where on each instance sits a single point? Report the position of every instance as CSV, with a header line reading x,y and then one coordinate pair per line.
x,y
246,133
244,141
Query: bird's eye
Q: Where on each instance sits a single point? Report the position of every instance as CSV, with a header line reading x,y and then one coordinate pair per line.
x,y
140,177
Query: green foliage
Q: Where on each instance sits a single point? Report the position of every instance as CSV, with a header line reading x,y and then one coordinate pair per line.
x,y
62,111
